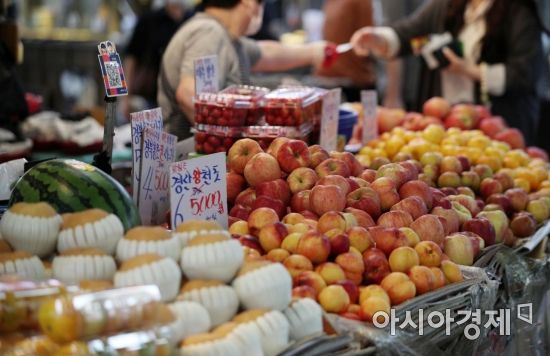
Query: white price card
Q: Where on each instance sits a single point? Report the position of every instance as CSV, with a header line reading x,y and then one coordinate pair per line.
x,y
158,152
369,100
138,122
198,190
206,74
329,121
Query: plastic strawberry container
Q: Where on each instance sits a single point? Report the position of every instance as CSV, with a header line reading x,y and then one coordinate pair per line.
x,y
234,106
291,106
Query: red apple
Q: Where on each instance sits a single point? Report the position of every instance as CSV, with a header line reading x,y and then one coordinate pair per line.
x,y
429,228
395,172
511,136
251,242
355,168
387,119
315,246
436,107
351,289
478,243
302,178
241,152
518,198
339,241
395,218
246,198
262,167
536,152
419,189
368,175
293,154
483,228
276,145
301,201
317,155
363,218
235,185
324,198
333,166
503,201
240,212
460,249
276,189
335,180
467,202
505,180
376,265
413,205
452,220
268,202
388,239
490,186
523,224
492,126
365,199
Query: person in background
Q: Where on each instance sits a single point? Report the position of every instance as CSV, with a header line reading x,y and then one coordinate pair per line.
x,y
143,55
342,19
501,61
220,31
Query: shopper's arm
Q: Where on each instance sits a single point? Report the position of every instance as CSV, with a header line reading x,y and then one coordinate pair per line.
x,y
393,97
276,56
184,97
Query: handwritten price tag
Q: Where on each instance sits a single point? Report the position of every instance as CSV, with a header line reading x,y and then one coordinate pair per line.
x,y
159,151
198,190
139,121
369,99
329,121
206,74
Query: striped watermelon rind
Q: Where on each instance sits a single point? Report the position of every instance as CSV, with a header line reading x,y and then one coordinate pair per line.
x,y
71,186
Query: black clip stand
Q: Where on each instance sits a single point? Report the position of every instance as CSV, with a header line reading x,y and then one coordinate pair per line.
x,y
103,159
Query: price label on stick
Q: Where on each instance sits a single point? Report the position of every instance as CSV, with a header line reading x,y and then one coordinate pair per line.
x,y
369,100
111,70
158,152
329,121
198,190
206,74
139,121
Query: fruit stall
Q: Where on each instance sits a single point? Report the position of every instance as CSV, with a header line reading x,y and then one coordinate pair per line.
x,y
429,238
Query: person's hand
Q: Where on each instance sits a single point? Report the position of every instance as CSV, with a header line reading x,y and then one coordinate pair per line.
x,y
459,65
366,40
318,52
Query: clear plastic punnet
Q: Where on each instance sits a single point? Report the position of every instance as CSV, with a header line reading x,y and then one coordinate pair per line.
x,y
291,106
234,106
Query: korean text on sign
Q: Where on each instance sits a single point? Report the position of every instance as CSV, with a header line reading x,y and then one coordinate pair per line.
x,y
139,121
206,74
198,190
158,152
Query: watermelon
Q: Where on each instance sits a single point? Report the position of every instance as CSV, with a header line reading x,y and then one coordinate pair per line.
x,y
71,186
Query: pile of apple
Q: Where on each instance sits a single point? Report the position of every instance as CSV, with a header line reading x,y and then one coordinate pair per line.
x,y
337,226
463,116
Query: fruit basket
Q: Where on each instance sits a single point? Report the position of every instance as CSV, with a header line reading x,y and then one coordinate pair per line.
x,y
292,106
234,106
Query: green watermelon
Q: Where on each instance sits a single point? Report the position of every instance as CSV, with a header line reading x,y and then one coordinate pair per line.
x,y
71,186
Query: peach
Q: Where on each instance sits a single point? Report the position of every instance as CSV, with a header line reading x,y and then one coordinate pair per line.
x,y
395,218
423,279
330,272
353,266
429,227
297,264
388,239
376,265
314,246
360,238
451,271
373,290
331,220
429,253
439,277
260,218
351,288
293,218
372,305
304,292
277,255
272,236
334,299
403,258
412,237
460,249
399,287
450,164
539,210
311,279
301,227
339,241
239,228
490,186
353,308
290,243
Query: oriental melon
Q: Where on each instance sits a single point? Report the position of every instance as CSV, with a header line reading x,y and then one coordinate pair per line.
x,y
71,186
